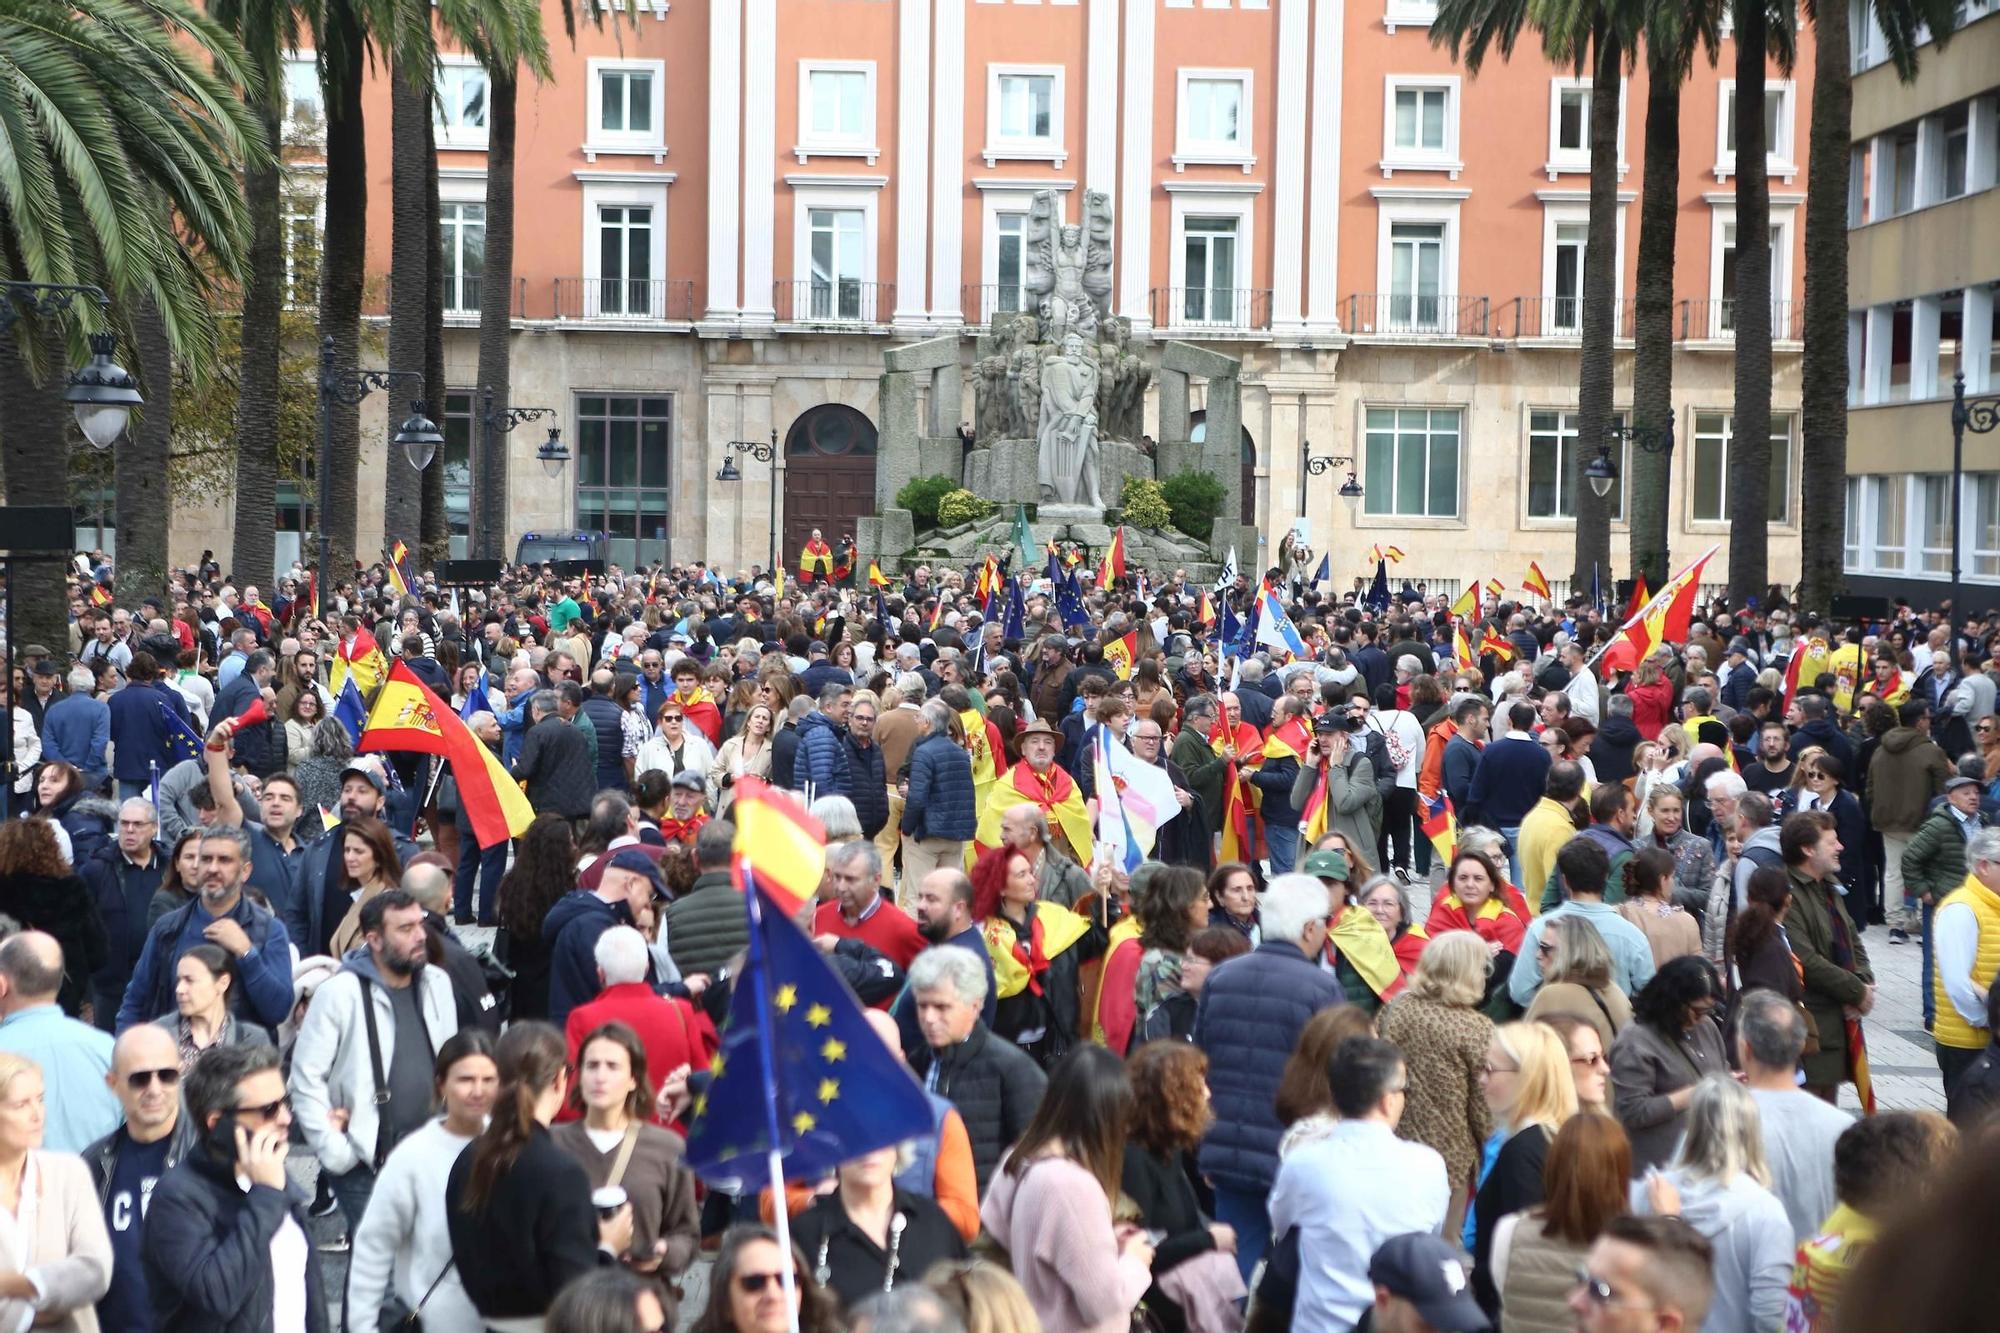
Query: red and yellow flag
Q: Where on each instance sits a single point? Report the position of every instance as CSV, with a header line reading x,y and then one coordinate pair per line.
x,y
876,578
1114,559
782,846
100,595
407,717
1461,648
1536,582
1641,595
816,559
1120,654
1205,613
1467,602
396,579
1489,642
1665,616
362,658
1494,587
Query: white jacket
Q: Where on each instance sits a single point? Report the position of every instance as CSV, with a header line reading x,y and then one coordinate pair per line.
x,y
404,1242
330,1064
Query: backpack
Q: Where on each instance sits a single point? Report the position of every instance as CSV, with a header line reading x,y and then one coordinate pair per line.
x,y
1377,748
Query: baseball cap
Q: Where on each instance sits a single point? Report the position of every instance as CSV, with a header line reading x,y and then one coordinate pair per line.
x,y
1423,1270
1328,863
369,772
638,863
690,780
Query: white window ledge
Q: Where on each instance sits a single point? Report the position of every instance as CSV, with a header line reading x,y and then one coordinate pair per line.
x,y
1182,161
805,151
1566,168
1392,21
1391,166
593,151
796,179
1777,168
994,154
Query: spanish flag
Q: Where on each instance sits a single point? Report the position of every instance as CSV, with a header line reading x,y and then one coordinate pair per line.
x,y
361,658
100,595
1494,587
876,578
396,579
937,613
1536,582
312,592
1489,642
1440,825
1060,799
1393,554
1641,595
816,558
407,717
1120,654
1666,615
1205,613
1467,602
780,844
1461,648
1114,560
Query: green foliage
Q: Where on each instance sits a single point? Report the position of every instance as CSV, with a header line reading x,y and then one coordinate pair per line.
x,y
921,496
960,506
1196,499
1144,504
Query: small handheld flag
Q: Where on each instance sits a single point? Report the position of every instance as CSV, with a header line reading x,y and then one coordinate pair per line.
x,y
876,578
1275,627
1114,560
1536,582
181,740
351,711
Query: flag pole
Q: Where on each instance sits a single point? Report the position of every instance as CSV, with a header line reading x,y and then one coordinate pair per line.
x,y
760,990
153,770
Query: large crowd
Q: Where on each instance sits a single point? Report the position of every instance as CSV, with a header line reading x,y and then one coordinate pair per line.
x,y
1450,988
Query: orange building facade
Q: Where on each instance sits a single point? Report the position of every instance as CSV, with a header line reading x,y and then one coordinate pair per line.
x,y
727,211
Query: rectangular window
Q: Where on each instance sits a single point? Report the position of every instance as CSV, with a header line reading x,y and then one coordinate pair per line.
x,y
1934,498
1208,271
460,109
624,446
1010,269
1026,112
1891,511
624,259
302,245
1416,269
1903,160
1774,106
1420,119
625,102
1573,120
1850,556
835,236
1957,126
456,427
1726,310
1709,491
1215,113
1412,462
837,106
1985,487
464,228
1566,313
305,107
1552,449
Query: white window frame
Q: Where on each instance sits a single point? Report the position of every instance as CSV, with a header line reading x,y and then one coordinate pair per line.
x,y
862,144
995,200
288,126
1573,439
467,137
1789,520
1000,147
1365,517
635,193
1576,162
461,187
1408,14
1872,547
1419,206
1445,159
290,190
1189,152
1931,560
1241,207
1784,219
1568,208
1983,556
1852,535
1781,155
867,198
651,143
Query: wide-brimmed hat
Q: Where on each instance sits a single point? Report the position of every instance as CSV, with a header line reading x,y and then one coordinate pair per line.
x,y
1039,727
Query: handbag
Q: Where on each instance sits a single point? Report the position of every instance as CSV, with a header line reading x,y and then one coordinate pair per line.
x,y
413,1321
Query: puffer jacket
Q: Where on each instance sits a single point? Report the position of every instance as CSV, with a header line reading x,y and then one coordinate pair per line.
x,y
1934,862
608,720
996,1088
705,927
1907,770
942,801
91,823
1251,1012
868,784
821,761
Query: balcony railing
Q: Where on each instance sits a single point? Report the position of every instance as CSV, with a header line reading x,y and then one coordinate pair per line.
x,y
641,300
836,301
1221,310
1408,315
1715,321
1554,318
982,303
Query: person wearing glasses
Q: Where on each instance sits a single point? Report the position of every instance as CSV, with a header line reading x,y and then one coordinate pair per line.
x,y
1643,1273
128,1162
225,1242
746,1288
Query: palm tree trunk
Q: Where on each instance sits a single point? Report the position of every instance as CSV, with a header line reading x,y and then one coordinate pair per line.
x,y
434,524
409,284
142,497
343,266
253,552
1600,315
489,472
1749,480
34,450
1823,461
1653,318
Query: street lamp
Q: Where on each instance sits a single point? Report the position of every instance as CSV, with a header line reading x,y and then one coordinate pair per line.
x,y
418,434
102,393
1981,416
1602,471
763,453
1350,490
504,422
553,453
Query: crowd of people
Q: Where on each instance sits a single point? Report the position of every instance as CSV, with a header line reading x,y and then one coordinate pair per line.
x,y
1499,990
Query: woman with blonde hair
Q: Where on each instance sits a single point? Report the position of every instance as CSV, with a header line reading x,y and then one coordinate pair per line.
x,y
1527,1083
1445,1040
984,1295
745,754
54,1226
1576,979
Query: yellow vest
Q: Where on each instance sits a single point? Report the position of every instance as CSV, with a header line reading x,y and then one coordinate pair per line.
x,y
1950,1027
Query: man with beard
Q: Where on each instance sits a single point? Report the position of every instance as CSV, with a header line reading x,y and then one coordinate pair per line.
x,y
1039,780
362,1066
943,908
310,917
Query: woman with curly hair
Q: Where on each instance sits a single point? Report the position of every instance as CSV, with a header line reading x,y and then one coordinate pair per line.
x,y
87,821
544,871
1671,1045
40,891
1170,1113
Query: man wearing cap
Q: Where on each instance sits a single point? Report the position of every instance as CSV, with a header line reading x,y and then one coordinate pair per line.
x,y
1039,780
1738,674
1421,1286
312,916
45,680
1934,865
685,808
570,930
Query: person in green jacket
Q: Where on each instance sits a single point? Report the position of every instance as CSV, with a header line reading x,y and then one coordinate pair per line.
x,y
1934,862
1198,760
1832,959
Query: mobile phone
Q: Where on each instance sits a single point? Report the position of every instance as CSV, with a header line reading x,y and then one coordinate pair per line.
x,y
221,1138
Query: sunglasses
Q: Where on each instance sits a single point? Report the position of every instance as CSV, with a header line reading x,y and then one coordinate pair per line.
x,y
669,717
266,1111
753,1284
139,1079
1591,1061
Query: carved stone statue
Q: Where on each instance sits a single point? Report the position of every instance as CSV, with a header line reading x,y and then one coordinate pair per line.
x,y
1069,266
1067,440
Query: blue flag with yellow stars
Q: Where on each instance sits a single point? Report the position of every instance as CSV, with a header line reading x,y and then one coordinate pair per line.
x,y
182,742
838,1090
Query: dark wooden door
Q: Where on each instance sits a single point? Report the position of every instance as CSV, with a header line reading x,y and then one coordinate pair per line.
x,y
829,477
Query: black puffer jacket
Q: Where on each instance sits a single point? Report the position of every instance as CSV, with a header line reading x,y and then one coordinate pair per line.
x,y
867,785
995,1087
207,1248
65,909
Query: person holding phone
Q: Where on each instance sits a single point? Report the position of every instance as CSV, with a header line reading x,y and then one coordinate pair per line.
x,y
225,1242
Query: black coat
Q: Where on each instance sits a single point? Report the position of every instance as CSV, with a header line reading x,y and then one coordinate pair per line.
x,y
207,1250
535,1233
65,909
995,1087
1167,1202
856,1266
867,784
123,895
1514,1183
559,767
261,748
468,980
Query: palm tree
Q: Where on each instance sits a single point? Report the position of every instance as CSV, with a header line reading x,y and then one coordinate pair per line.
x,y
1581,36
340,43
1823,418
124,136
412,208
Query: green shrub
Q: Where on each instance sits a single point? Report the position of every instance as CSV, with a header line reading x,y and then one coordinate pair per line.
x,y
961,506
921,496
1196,499
1144,504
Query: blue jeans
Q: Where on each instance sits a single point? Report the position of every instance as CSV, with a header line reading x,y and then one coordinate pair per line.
x,y
1930,996
1283,841
1513,837
1249,1215
127,790
352,1192
478,878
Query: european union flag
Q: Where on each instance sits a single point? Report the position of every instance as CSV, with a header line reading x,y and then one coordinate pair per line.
x,y
1378,591
1016,626
1230,629
350,710
1325,570
182,741
798,1060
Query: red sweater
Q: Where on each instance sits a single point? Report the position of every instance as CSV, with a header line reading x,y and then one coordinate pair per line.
x,y
888,930
673,1032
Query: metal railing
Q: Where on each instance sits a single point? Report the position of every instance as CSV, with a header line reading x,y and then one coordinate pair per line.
x,y
839,301
621,300
1555,317
1715,321
1402,315
982,302
1222,309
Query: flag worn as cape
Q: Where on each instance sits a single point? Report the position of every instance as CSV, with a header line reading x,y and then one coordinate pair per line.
x,y
816,559
408,718
1359,938
1058,796
361,658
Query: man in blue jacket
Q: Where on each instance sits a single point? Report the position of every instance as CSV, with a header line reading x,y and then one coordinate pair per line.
x,y
139,726
571,928
941,804
260,748
820,765
77,728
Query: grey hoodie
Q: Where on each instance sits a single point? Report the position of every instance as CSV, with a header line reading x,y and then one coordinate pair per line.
x,y
1747,865
1753,1248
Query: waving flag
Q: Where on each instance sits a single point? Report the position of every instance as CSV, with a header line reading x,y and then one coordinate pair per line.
x,y
1227,578
1015,626
1120,653
1378,591
1394,554
1069,604
1114,559
1489,642
937,613
1664,618
1536,582
1204,611
1461,648
182,741
1024,538
408,718
1440,825
1230,629
1467,602
395,563
361,659
1324,574
1275,627
1641,595
351,711
876,578
1134,798
1494,587
778,843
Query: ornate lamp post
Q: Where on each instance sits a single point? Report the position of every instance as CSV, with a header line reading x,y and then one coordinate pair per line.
x,y
763,453
1602,473
1309,466
1981,416
504,423
418,435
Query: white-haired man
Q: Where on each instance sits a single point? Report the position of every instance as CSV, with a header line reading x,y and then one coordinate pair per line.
x,y
675,1033
993,1083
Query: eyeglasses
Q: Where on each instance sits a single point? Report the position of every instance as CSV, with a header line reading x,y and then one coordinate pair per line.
x,y
669,717
266,1111
139,1079
1591,1061
752,1284
1599,1293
